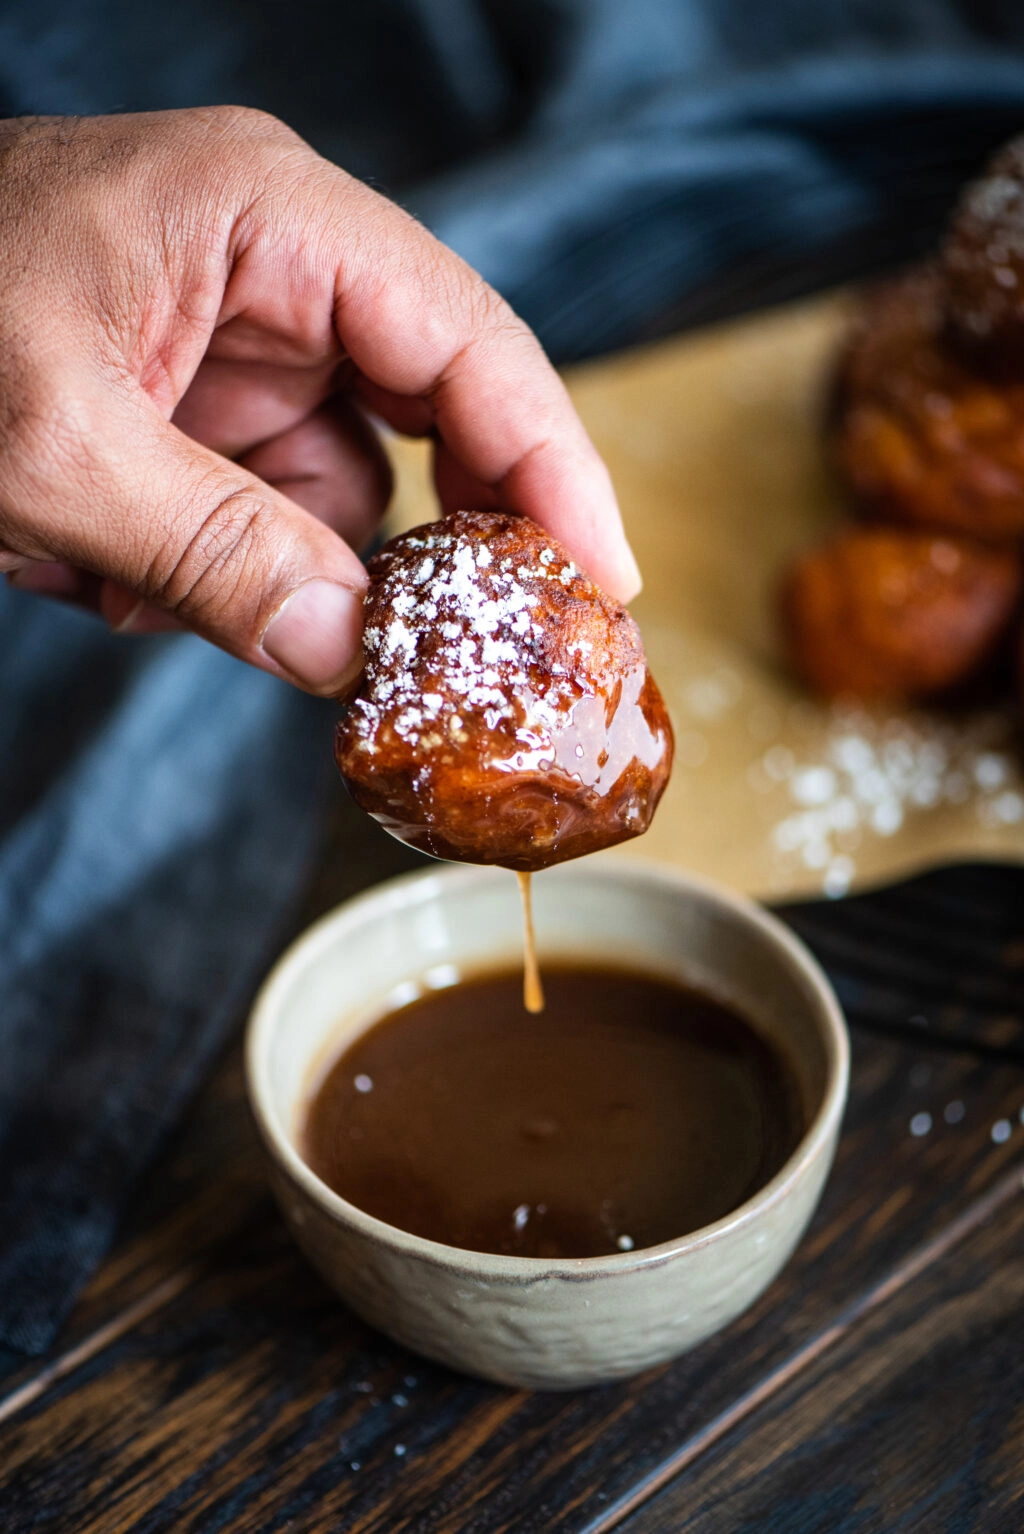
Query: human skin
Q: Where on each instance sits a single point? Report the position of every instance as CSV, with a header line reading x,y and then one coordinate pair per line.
x,y
196,313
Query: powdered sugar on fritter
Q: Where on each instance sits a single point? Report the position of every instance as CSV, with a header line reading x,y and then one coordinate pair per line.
x,y
460,619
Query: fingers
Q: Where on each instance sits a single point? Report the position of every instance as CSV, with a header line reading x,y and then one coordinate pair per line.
x,y
63,582
234,403
125,612
197,536
334,466
458,489
416,321
420,326
285,426
228,282
558,481
412,417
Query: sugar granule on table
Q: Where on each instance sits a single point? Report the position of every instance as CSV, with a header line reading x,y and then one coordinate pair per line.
x,y
873,775
833,783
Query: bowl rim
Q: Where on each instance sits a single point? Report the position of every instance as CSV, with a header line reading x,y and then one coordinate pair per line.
x,y
420,886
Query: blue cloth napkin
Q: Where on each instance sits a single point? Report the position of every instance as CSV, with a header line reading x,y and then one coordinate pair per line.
x,y
158,813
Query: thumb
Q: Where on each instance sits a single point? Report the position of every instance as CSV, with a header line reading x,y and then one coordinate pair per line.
x,y
131,498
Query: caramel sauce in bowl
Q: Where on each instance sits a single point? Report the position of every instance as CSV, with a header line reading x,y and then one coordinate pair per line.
x,y
544,1321
626,1110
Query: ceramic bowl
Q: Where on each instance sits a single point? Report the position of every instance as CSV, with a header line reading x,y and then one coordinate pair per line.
x,y
537,1322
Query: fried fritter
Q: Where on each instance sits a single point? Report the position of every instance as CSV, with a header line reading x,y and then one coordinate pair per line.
x,y
880,613
983,265
918,435
506,714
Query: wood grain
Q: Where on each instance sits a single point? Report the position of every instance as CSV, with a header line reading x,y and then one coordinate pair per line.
x,y
940,956
244,1401
243,1404
913,1421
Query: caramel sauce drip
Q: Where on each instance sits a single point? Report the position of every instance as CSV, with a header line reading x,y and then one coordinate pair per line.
x,y
533,990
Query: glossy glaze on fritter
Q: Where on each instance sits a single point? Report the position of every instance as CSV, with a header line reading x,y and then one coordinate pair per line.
x,y
506,714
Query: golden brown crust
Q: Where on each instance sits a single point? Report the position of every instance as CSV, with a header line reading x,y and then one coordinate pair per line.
x,y
507,714
918,436
983,264
881,613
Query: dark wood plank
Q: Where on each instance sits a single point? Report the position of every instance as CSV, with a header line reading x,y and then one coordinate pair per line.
x,y
941,955
245,1402
913,1420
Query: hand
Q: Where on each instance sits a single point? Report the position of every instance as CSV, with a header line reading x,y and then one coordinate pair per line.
x,y
193,308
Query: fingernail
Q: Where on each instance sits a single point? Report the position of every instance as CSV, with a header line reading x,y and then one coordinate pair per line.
x,y
46,578
149,620
317,636
632,580
126,625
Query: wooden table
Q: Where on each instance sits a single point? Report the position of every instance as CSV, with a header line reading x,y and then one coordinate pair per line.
x,y
209,1381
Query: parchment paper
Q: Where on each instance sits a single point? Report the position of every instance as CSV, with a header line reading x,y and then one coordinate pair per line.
x,y
714,444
